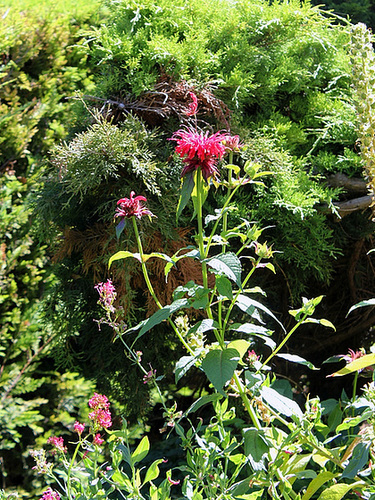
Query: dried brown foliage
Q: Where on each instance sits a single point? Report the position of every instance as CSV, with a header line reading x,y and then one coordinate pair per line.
x,y
167,99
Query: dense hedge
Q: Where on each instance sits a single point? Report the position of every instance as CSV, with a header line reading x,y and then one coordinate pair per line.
x,y
284,72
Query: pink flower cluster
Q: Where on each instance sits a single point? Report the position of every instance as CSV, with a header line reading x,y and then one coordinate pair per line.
x,y
107,295
57,443
129,207
79,428
199,150
100,415
49,494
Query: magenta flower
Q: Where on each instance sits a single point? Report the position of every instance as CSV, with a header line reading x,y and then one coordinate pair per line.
x,y
107,295
129,207
99,401
199,150
98,439
49,494
193,106
79,428
101,416
57,443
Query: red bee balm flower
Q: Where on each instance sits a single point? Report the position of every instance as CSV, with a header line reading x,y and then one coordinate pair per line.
x,y
199,150
127,207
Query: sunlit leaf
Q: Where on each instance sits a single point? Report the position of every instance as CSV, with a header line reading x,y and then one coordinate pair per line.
x,y
356,365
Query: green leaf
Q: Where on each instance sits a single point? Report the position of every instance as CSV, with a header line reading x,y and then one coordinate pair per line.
x,y
161,315
248,305
141,451
284,405
240,345
219,366
123,254
153,471
204,400
363,303
186,190
224,287
228,264
350,422
256,448
293,358
357,461
316,483
160,255
338,491
356,365
183,365
323,322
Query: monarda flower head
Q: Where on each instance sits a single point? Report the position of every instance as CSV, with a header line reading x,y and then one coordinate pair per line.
x,y
129,207
50,494
199,149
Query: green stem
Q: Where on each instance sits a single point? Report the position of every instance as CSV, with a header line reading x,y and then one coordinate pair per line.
x,y
70,469
151,289
200,227
246,401
284,341
234,300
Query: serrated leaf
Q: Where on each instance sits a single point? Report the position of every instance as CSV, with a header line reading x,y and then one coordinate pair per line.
x,y
293,358
356,365
141,450
284,405
363,303
219,366
228,264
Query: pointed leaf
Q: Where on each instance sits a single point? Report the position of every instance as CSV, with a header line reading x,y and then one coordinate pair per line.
x,y
141,451
363,303
284,405
120,227
123,254
256,448
183,365
161,315
186,190
224,286
219,366
338,491
228,264
153,471
356,365
293,358
316,483
204,400
240,345
248,305
357,461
